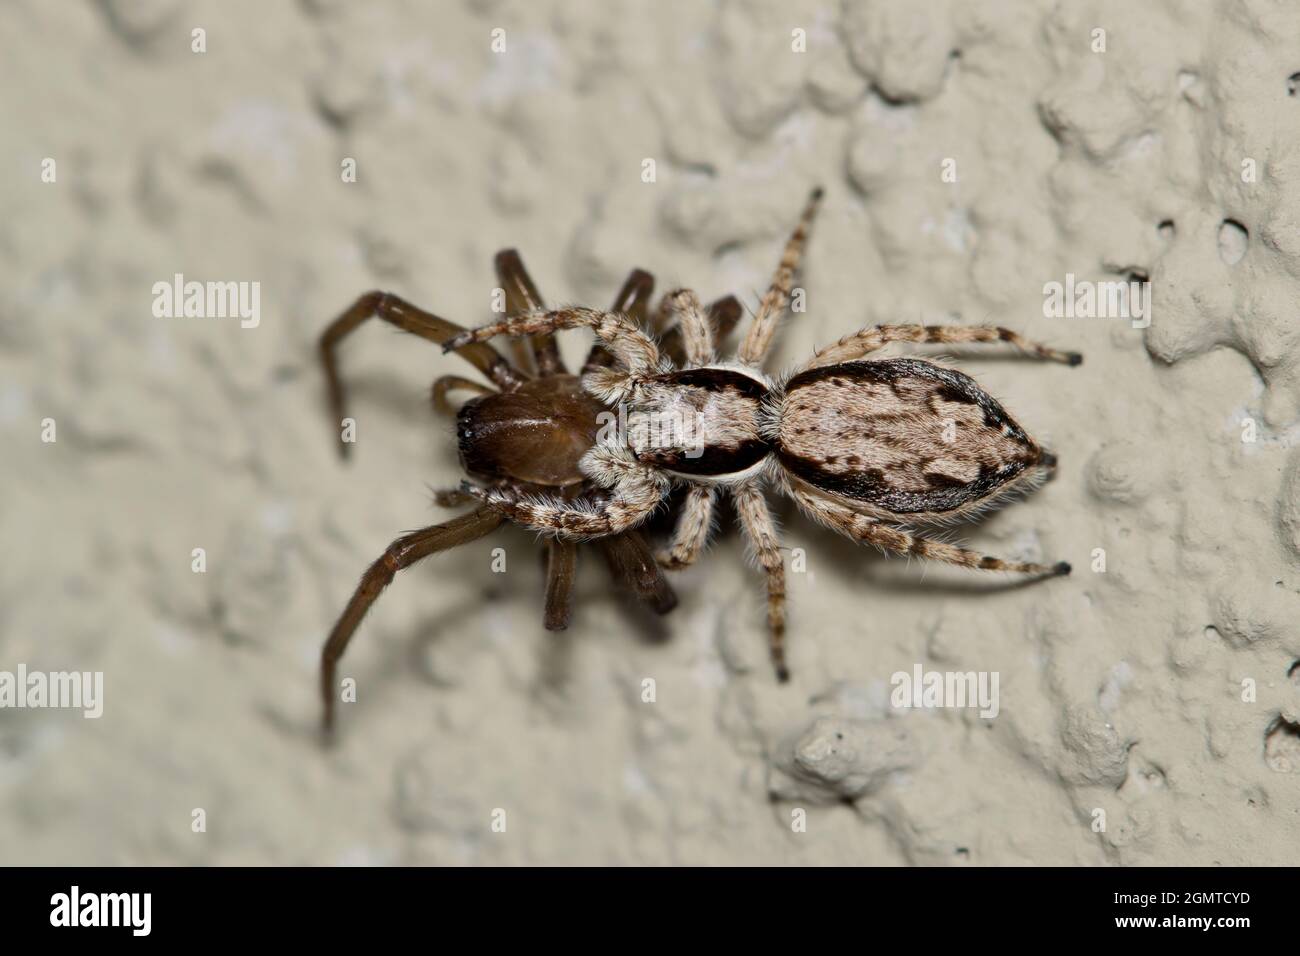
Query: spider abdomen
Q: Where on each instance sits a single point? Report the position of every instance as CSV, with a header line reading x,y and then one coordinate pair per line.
x,y
535,434
902,435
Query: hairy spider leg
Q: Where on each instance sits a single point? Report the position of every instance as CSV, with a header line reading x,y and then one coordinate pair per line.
x,y
760,529
759,338
864,341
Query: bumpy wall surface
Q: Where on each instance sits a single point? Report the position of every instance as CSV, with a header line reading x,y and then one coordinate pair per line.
x,y
972,153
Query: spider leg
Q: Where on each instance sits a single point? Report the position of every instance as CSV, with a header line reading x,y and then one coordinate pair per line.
x,y
631,561
455,383
723,315
522,296
635,490
861,528
402,553
410,319
632,300
636,350
561,569
633,349
451,498
759,339
695,330
692,531
760,529
860,343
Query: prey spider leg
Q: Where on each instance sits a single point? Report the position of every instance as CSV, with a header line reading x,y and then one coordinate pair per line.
x,y
561,570
522,296
451,498
630,560
447,384
402,553
399,312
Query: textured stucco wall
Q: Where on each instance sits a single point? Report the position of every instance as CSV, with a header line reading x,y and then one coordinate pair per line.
x,y
1173,153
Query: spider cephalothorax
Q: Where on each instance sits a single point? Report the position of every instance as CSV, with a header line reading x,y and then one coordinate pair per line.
x,y
867,448
526,436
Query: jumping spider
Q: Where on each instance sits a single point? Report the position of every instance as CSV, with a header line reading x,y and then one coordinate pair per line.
x,y
863,447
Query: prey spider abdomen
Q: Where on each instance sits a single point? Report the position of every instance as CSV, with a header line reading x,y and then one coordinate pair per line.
x,y
535,434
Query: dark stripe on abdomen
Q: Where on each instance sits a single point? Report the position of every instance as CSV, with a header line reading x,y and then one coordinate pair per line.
x,y
713,460
871,486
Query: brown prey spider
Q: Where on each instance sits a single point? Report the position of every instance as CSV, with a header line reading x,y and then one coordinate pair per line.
x,y
526,436
866,448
